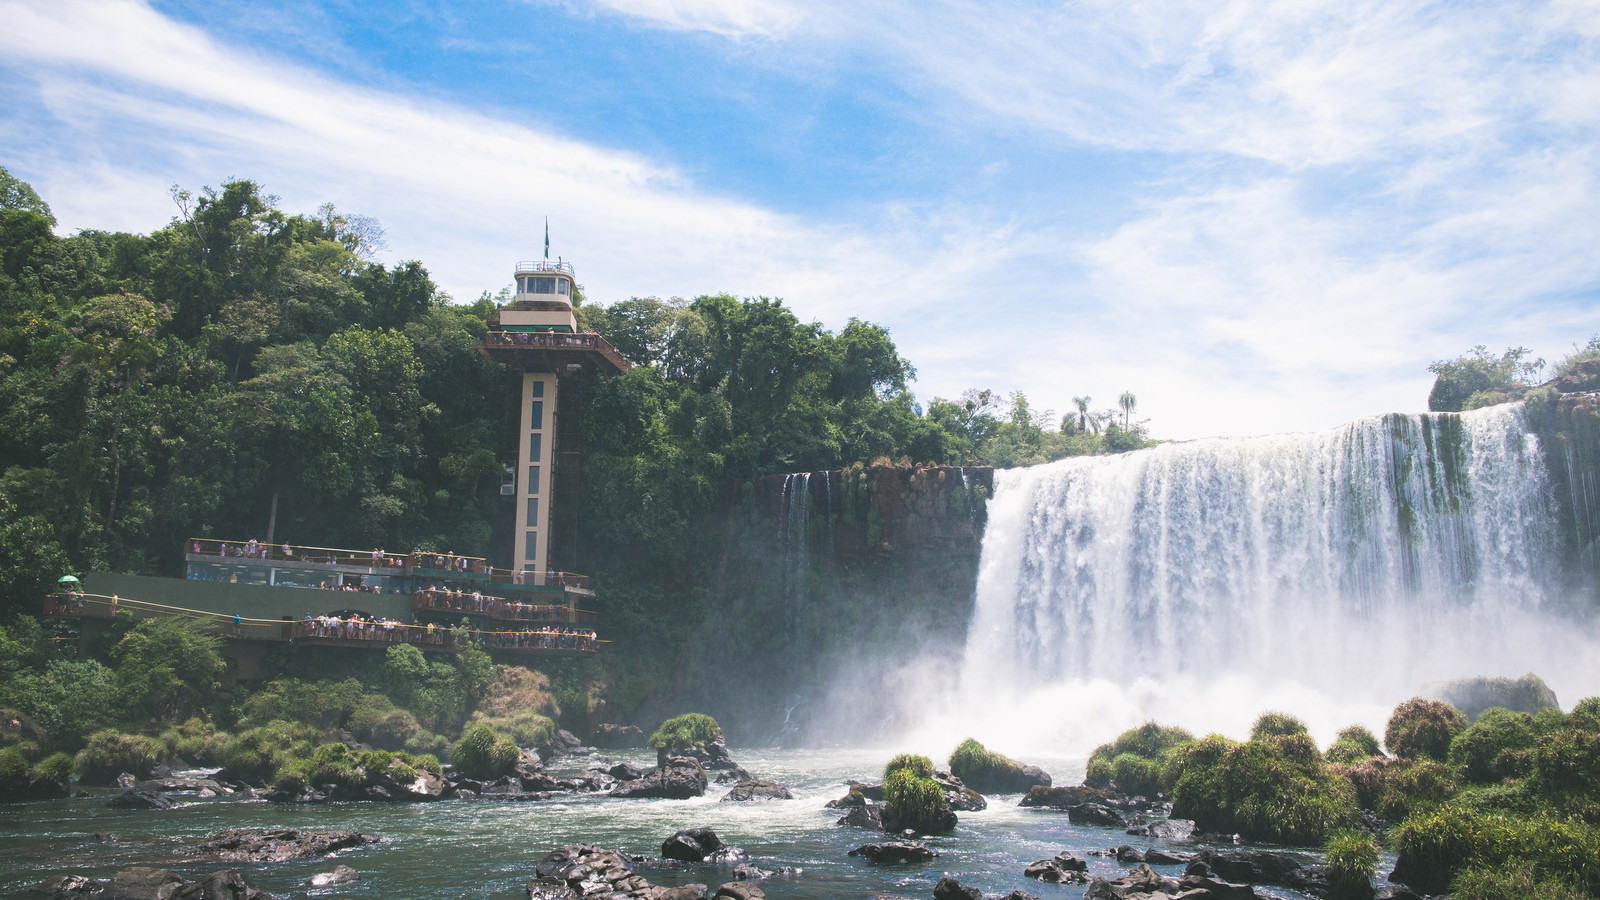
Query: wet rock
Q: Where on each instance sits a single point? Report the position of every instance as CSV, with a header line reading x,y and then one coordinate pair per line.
x,y
339,875
1064,868
549,889
1063,797
144,883
1156,856
740,890
1199,878
691,845
894,853
756,873
949,888
1168,829
678,778
224,885
625,772
67,887
1259,867
142,799
1095,814
682,892
1141,883
1018,895
858,795
618,737
960,797
870,817
279,844
756,789
1127,854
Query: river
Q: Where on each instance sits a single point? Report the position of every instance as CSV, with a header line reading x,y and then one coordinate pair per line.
x,y
488,848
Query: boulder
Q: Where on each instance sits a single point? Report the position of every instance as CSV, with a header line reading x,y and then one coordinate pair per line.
x,y
681,892
1095,814
618,737
691,845
960,797
678,778
1197,877
144,883
756,789
624,772
1167,829
1257,866
740,890
949,888
223,885
339,875
137,798
266,845
894,853
756,873
1156,856
858,795
1142,883
870,817
1064,868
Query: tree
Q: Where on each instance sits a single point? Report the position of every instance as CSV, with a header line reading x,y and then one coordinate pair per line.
x,y
167,669
1082,403
1127,401
18,194
1478,378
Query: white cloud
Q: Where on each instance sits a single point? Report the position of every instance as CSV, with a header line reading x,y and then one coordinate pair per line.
x,y
737,19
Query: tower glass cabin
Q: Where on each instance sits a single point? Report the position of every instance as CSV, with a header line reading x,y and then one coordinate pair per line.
x,y
537,336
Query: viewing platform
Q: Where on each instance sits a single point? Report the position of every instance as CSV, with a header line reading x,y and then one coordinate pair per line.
x,y
336,597
551,351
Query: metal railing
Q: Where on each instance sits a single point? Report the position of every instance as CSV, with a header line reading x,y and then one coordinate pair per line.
x,y
543,266
378,562
331,630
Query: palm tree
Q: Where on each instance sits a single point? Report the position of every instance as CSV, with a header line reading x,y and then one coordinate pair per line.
x,y
1082,403
1127,401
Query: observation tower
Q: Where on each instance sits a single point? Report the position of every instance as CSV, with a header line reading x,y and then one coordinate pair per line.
x,y
537,336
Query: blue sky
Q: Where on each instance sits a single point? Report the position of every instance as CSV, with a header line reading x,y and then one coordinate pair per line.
x,y
1256,216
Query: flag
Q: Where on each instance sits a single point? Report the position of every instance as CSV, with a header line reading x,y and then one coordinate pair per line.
x,y
546,237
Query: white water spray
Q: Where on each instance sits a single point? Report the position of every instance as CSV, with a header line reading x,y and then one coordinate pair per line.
x,y
1330,575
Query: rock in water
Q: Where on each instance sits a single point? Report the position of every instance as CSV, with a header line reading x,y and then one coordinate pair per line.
x,y
894,853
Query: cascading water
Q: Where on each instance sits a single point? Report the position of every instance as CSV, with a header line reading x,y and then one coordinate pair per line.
x,y
1330,575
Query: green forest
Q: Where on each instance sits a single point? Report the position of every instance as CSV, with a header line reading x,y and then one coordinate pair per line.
x,y
246,368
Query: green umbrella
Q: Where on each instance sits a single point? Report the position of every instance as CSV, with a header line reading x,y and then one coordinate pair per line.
x,y
67,579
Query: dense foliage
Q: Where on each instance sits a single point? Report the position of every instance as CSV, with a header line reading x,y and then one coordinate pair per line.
x,y
912,799
690,731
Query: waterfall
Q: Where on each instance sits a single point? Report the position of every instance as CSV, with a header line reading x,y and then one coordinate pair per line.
x,y
1330,575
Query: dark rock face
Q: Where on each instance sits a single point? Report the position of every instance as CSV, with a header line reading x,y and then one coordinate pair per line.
x,y
691,845
1260,867
1167,829
1064,868
960,797
618,737
894,853
279,844
678,778
1197,878
1063,797
756,789
949,888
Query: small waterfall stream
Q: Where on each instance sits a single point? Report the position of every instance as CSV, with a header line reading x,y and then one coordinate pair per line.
x,y
1330,574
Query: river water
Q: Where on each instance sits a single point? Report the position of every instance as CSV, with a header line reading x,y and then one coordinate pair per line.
x,y
488,848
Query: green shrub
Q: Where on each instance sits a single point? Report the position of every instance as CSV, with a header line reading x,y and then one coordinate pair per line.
x,y
525,727
1099,773
1473,696
1411,786
1495,747
55,767
918,765
195,741
382,724
690,730
1351,858
1144,748
1421,727
1137,775
482,754
1275,724
1437,846
1566,770
1276,789
1353,745
334,764
1514,878
111,753
257,755
914,801
13,765
428,743
985,770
